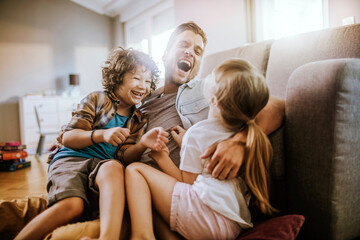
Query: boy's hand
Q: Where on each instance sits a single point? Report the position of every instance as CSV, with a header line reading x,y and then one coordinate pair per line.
x,y
158,155
177,133
226,158
116,135
155,139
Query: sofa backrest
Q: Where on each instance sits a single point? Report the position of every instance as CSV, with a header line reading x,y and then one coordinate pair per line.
x,y
289,53
256,53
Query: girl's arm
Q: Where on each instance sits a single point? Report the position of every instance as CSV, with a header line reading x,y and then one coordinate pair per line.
x,y
167,166
155,139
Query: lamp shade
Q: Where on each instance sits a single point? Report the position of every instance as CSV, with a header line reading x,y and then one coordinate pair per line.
x,y
74,79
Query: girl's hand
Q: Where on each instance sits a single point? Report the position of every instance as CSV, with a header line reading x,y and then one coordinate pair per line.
x,y
155,139
177,133
115,136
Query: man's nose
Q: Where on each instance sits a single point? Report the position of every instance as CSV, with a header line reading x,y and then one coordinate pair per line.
x,y
188,52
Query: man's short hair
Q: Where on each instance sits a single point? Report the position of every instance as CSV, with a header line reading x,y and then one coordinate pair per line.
x,y
184,27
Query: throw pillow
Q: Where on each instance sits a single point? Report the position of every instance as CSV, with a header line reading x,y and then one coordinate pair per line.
x,y
279,228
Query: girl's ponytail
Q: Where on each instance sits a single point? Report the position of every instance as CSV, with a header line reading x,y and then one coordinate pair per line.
x,y
242,93
258,155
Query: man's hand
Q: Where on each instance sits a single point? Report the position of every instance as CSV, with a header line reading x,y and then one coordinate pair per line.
x,y
226,158
155,139
177,133
116,135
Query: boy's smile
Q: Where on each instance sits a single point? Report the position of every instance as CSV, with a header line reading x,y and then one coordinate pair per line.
x,y
135,86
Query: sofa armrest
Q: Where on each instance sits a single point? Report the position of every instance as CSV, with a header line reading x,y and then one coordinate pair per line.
x,y
322,139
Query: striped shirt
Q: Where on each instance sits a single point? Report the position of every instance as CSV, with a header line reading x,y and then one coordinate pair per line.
x,y
96,110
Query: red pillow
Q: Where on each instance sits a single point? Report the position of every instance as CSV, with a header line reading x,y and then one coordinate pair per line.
x,y
278,228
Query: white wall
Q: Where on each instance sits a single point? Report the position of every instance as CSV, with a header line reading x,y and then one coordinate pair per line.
x,y
339,9
41,43
224,22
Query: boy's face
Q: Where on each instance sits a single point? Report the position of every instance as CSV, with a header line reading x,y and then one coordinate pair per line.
x,y
182,60
136,85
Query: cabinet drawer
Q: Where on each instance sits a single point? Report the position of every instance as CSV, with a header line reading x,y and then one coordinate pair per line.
x,y
47,120
42,105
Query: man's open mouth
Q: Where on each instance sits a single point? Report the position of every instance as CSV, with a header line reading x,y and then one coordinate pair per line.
x,y
184,65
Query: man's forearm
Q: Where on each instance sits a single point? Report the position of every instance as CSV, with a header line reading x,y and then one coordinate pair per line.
x,y
272,115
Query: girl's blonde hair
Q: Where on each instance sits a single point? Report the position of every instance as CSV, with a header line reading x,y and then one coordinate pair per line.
x,y
241,93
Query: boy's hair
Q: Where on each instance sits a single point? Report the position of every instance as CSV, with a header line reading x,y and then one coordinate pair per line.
x,y
182,28
123,60
241,93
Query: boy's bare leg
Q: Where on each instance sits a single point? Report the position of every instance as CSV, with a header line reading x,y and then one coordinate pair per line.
x,y
146,186
110,181
61,213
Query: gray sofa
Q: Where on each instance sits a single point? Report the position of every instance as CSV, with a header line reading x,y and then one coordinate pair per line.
x,y
316,166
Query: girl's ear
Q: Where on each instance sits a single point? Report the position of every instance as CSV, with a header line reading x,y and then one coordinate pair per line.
x,y
214,101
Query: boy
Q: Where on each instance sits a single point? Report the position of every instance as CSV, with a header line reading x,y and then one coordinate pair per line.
x,y
105,126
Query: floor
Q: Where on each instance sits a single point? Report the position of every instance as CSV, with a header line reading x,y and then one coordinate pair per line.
x,y
30,181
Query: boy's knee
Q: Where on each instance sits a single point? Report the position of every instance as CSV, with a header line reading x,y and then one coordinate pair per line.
x,y
73,207
110,169
112,166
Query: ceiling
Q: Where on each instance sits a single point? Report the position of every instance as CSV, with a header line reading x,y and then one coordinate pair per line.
x,y
113,8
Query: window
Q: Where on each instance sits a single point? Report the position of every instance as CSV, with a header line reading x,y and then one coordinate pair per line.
x,y
137,38
279,18
150,34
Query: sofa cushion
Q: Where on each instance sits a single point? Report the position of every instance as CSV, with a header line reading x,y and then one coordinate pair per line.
x,y
277,168
289,53
323,147
279,228
15,214
256,53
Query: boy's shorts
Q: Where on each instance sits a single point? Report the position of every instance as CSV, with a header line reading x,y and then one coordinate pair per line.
x,y
75,177
194,220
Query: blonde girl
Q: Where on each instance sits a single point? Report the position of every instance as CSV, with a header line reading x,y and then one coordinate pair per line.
x,y
190,200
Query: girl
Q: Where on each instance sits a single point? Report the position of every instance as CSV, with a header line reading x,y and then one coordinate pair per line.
x,y
191,201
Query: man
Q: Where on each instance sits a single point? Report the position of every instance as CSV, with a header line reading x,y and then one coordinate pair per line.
x,y
174,104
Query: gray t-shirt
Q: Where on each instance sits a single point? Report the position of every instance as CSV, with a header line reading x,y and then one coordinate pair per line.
x,y
162,113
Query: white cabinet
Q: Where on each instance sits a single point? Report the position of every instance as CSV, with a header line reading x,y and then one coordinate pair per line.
x,y
53,111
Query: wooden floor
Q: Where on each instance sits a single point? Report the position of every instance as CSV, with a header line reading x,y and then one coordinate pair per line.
x,y
30,181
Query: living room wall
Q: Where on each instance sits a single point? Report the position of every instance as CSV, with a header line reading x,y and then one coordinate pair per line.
x,y
41,43
224,22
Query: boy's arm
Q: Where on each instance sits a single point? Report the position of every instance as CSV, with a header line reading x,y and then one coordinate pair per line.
x,y
228,156
167,166
79,138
